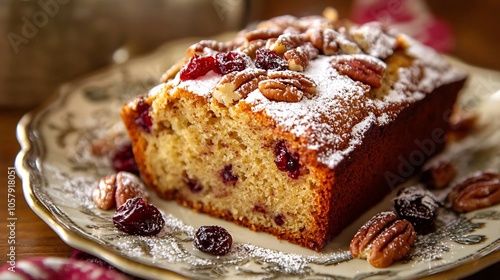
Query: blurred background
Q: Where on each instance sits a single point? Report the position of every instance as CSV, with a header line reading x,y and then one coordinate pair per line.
x,y
48,42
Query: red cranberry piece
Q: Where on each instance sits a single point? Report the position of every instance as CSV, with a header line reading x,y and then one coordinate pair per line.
x,y
123,159
228,62
269,60
137,217
194,185
213,240
227,175
144,119
198,66
279,220
285,161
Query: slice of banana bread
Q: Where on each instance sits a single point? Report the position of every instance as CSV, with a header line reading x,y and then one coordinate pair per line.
x,y
292,128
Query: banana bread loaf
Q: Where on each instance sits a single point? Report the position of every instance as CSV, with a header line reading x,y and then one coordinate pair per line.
x,y
293,127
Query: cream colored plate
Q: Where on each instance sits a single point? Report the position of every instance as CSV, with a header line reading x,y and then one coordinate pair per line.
x,y
59,174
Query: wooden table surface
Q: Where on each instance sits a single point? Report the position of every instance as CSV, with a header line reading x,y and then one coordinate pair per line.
x,y
35,239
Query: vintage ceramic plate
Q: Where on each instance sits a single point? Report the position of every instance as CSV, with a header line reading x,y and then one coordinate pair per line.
x,y
59,174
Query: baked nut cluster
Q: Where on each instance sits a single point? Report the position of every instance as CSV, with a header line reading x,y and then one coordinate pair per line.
x,y
273,57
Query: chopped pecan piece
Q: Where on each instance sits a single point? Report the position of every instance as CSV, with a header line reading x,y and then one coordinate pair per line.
x,y
323,39
478,191
237,85
462,123
263,33
104,194
250,48
366,71
200,47
298,58
437,174
287,86
287,42
129,186
383,240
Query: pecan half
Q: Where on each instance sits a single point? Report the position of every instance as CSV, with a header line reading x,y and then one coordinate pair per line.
x,y
129,186
383,240
437,174
298,58
263,33
287,42
104,194
323,39
237,85
287,86
251,47
478,191
114,190
359,69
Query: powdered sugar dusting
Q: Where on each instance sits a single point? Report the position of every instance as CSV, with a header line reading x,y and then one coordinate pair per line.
x,y
341,100
203,86
335,120
373,40
437,71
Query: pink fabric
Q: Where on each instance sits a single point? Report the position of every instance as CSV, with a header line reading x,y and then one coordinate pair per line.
x,y
408,16
50,268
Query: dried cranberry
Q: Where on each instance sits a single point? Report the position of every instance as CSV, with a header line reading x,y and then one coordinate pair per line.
x,y
143,120
418,206
123,159
279,220
137,217
198,66
285,161
227,175
194,185
269,60
228,62
213,240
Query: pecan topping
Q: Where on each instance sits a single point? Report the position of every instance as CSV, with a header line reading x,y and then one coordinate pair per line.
x,y
172,71
323,40
128,186
298,58
114,190
287,86
104,194
237,85
287,42
478,191
383,240
263,33
251,47
358,69
437,174
462,123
